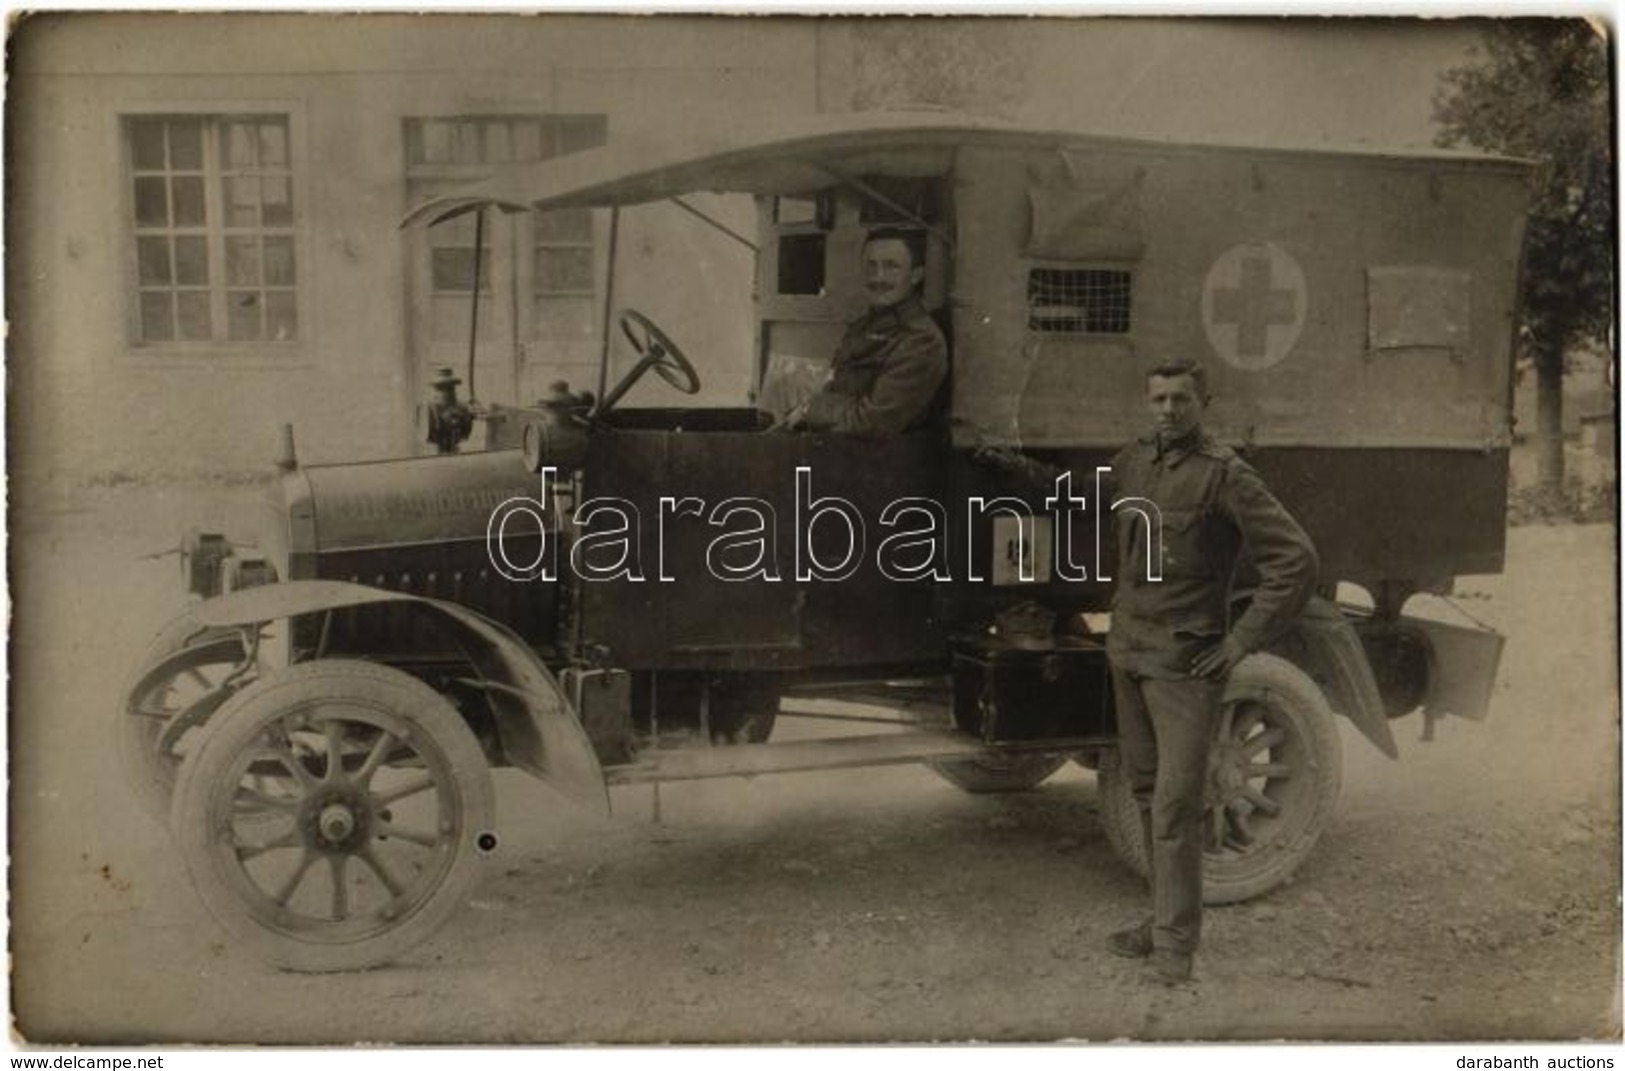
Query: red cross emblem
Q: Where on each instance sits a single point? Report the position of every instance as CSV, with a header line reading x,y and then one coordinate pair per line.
x,y
1254,304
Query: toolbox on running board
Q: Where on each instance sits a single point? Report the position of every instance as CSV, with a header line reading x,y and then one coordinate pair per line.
x,y
1025,690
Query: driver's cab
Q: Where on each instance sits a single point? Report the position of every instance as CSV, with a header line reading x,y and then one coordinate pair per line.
x,y
807,286
697,474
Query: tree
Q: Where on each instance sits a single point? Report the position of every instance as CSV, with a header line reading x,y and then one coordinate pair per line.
x,y
1539,88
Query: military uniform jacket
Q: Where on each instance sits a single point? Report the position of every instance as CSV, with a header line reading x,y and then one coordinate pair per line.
x,y
887,373
1212,511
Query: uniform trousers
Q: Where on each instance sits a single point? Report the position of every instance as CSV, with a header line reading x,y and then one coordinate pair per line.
x,y
1165,730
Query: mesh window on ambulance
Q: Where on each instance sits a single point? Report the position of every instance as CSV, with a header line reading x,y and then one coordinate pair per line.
x,y
1079,300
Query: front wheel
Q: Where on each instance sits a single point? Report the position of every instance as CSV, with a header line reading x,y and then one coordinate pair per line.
x,y
1274,772
333,816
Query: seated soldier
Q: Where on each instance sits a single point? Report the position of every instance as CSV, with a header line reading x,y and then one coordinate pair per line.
x,y
889,369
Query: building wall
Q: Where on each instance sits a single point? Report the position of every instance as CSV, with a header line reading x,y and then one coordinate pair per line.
x,y
90,403
1249,81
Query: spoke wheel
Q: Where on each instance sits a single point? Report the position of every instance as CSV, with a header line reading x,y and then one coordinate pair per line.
x,y
334,816
184,679
998,773
1274,772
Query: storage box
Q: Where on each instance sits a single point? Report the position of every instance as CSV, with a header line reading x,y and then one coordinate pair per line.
x,y
1058,689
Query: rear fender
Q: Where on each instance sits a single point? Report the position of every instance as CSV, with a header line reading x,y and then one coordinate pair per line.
x,y
1325,645
539,728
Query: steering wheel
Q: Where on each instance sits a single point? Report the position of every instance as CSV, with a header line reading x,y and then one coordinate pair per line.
x,y
656,350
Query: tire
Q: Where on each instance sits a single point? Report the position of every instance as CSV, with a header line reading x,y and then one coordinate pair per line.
x,y
998,773
372,852
744,709
1275,748
744,706
187,671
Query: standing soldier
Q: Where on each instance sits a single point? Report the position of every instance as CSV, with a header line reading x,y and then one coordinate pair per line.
x,y
1169,646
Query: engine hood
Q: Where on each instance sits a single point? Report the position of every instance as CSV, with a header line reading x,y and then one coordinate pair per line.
x,y
405,501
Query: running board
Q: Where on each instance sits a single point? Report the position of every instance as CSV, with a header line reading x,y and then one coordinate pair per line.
x,y
833,753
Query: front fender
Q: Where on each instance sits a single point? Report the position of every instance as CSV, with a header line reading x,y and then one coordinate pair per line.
x,y
1325,645
540,730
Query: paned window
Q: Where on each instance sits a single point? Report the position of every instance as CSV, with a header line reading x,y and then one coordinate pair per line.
x,y
212,212
564,252
499,139
559,268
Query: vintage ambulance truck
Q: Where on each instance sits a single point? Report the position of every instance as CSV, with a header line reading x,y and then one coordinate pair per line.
x,y
603,594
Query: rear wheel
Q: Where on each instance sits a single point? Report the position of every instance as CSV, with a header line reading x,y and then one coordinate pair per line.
x,y
998,773
744,709
1274,773
333,816
743,706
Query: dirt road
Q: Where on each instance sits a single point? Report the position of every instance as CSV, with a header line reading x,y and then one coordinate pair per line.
x,y
1469,890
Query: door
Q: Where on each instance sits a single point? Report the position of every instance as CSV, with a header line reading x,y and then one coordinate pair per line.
x,y
749,551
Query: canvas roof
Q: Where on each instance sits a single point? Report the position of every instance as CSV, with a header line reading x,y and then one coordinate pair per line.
x,y
799,156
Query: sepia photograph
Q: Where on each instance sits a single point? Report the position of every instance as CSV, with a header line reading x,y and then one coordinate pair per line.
x,y
607,529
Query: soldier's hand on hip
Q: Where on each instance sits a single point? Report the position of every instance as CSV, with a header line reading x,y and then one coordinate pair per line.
x,y
1218,660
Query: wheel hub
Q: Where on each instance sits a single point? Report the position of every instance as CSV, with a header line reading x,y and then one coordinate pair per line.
x,y
336,822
